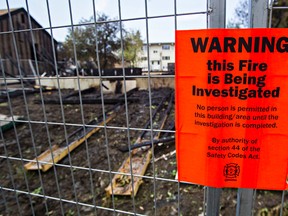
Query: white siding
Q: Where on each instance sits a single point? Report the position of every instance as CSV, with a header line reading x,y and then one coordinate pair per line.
x,y
160,55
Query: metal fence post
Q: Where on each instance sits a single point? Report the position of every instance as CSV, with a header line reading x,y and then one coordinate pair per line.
x,y
244,202
217,15
258,13
213,201
258,17
216,19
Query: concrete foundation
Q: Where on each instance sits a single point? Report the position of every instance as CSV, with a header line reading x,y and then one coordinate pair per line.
x,y
109,86
68,82
142,83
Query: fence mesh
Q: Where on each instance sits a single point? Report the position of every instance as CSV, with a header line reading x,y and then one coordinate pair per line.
x,y
91,130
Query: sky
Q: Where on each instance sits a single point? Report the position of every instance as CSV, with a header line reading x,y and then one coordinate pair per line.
x,y
160,29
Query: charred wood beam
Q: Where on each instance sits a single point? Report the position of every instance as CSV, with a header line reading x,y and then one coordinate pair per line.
x,y
56,153
167,112
79,132
89,100
115,101
20,92
99,118
171,126
163,120
148,143
104,86
155,113
24,81
76,93
157,134
165,139
4,94
128,94
140,158
8,144
9,83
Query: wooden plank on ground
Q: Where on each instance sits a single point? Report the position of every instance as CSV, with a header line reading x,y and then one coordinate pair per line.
x,y
51,156
140,158
122,184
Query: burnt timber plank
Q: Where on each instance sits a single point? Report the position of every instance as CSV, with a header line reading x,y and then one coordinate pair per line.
x,y
51,156
140,158
89,100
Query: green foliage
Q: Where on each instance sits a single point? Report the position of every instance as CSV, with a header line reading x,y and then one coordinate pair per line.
x,y
106,34
37,190
132,47
70,213
174,173
85,38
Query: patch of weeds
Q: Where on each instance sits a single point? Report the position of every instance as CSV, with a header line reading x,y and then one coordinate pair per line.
x,y
70,212
170,196
37,190
49,213
20,171
174,172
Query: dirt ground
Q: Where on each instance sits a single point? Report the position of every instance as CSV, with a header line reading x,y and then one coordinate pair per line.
x,y
101,154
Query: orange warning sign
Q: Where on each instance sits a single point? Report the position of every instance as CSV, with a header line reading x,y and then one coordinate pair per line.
x,y
232,107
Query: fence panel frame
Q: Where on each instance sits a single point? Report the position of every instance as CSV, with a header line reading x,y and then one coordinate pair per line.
x,y
216,18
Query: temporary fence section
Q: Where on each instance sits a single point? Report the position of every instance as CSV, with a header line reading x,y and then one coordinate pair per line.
x,y
106,143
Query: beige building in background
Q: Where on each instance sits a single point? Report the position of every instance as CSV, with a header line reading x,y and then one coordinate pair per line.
x,y
161,57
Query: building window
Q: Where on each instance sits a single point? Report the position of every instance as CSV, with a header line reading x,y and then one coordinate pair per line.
x,y
143,58
166,47
165,57
155,51
155,62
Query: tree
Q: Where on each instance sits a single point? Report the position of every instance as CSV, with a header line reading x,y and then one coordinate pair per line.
x,y
85,36
280,17
108,41
132,47
241,19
